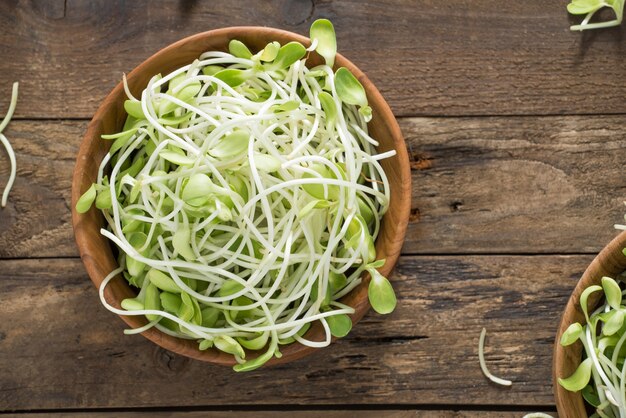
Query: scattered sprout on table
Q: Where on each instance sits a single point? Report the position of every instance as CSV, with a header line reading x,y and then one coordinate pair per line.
x,y
590,7
601,375
7,145
483,364
245,196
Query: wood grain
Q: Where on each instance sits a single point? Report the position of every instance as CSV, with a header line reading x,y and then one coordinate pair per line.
x,y
425,353
406,413
427,57
480,185
36,221
511,185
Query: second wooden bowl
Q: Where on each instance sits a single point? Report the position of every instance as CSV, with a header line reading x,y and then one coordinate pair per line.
x,y
96,251
609,262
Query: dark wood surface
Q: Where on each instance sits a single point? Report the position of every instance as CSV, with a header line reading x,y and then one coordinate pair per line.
x,y
515,126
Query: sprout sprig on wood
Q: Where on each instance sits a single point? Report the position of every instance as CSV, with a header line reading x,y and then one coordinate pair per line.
x,y
590,7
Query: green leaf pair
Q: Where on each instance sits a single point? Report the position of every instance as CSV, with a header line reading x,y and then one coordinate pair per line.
x,y
590,7
380,293
351,91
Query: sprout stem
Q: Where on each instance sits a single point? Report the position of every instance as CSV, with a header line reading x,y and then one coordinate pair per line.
x,y
7,145
483,364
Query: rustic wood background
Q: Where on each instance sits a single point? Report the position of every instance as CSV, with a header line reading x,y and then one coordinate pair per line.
x,y
515,127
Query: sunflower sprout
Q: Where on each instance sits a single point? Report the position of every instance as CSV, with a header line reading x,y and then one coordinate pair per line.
x,y
589,9
483,364
7,145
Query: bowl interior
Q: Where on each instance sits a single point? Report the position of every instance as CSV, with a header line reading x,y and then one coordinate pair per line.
x,y
609,262
96,251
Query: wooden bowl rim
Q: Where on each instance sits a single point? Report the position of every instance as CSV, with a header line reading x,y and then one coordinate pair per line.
x,y
609,262
402,206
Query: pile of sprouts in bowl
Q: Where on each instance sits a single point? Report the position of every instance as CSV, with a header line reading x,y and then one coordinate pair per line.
x,y
244,195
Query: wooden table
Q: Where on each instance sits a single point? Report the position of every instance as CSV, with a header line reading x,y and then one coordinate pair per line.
x,y
515,127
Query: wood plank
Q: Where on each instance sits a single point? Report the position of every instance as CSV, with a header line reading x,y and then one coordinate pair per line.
x,y
37,221
511,185
480,185
409,413
427,57
60,349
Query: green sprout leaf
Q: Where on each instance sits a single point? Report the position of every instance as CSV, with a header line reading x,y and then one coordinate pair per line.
x,y
571,334
186,94
162,281
132,304
230,287
590,395
300,333
124,134
590,7
329,107
205,345
231,145
579,378
267,163
365,211
238,49
229,345
198,189
349,89
255,343
86,200
186,310
212,70
366,112
104,199
337,281
259,361
210,316
612,292
171,302
152,301
174,120
585,295
317,189
137,240
232,76
340,325
582,7
324,32
614,323
380,293
314,204
133,108
287,55
287,106
270,52
181,242
176,158
377,264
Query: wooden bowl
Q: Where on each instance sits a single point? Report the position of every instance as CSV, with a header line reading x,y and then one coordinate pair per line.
x,y
609,262
96,251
